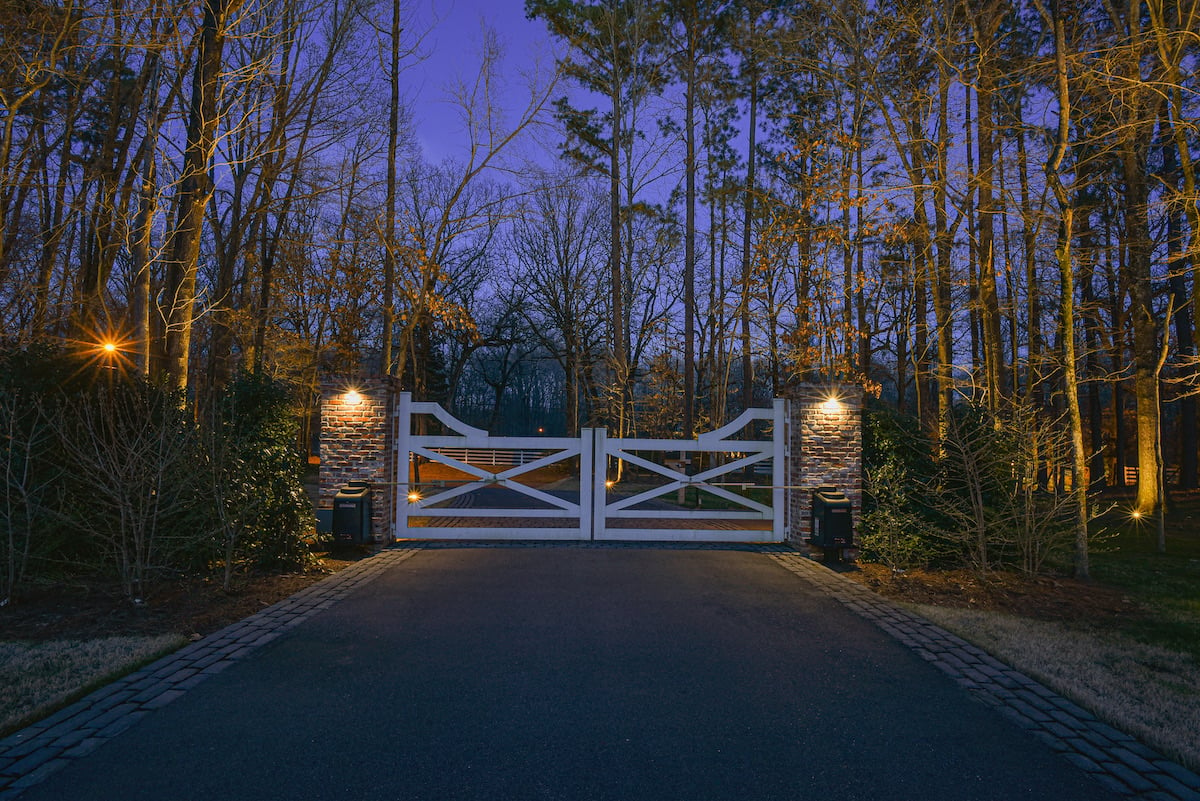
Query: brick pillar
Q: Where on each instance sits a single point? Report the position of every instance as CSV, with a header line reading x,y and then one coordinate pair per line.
x,y
357,444
825,447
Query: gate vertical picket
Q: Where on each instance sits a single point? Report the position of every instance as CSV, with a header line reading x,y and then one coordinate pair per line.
x,y
403,460
599,481
779,471
587,471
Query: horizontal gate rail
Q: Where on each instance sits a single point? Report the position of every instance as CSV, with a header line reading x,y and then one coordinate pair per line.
x,y
492,455
424,511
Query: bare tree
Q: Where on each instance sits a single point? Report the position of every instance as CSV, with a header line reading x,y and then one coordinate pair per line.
x,y
132,445
462,208
28,480
560,255
195,188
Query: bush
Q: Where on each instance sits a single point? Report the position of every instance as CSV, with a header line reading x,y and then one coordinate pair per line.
x,y
104,471
128,479
34,381
995,488
898,526
28,475
255,477
986,498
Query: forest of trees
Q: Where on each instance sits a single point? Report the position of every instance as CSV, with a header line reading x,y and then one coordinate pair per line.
x,y
990,201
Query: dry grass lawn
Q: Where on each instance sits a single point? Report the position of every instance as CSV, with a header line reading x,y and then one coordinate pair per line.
x,y
62,642
1150,692
41,677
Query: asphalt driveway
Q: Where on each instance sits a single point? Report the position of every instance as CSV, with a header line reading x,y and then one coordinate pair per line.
x,y
574,674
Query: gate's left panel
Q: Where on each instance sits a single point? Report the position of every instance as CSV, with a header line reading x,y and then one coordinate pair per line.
x,y
458,482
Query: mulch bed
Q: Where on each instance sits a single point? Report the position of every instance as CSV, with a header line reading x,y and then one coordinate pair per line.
x,y
187,606
1039,597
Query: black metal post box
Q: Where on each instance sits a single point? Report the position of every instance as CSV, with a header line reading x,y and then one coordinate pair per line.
x,y
832,522
352,513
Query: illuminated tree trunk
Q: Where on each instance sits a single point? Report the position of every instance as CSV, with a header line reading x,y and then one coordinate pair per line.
x,y
986,24
944,240
1033,308
1062,252
1145,329
195,190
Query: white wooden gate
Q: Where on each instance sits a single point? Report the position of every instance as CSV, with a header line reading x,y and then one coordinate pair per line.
x,y
604,488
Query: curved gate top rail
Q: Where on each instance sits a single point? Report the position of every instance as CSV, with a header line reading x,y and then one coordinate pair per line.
x,y
595,511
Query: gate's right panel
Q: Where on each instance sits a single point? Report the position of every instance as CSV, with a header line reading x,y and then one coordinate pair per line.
x,y
724,486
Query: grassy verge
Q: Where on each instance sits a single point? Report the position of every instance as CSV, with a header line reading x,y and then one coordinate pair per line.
x,y
40,678
1146,690
1166,584
1140,673
63,643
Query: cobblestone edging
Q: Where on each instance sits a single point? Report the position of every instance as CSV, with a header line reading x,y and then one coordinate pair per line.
x,y
1112,757
33,753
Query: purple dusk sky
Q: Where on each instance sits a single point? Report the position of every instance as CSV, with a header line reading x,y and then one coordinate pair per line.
x,y
452,48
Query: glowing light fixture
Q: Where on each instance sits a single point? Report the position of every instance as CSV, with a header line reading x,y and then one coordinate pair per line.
x,y
1136,514
832,405
109,347
352,398
609,484
414,496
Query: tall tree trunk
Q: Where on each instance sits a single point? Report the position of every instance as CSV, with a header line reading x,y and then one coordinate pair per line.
x,y
1079,465
1091,339
862,325
195,191
921,269
1137,118
620,355
1116,280
692,34
1145,330
1033,302
747,229
142,229
973,317
389,224
1079,482
987,23
944,240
